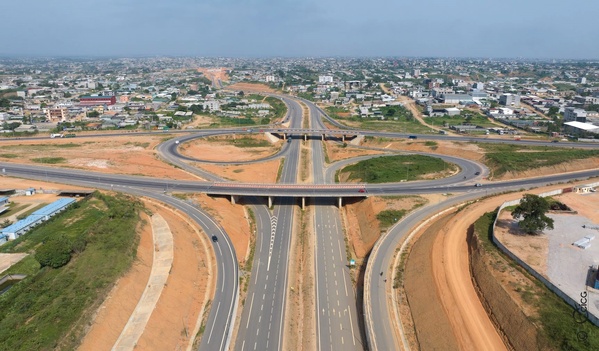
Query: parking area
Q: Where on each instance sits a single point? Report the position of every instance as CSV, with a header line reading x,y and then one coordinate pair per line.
x,y
569,266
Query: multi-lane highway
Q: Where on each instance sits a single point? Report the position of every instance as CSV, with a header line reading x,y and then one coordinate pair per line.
x,y
262,320
337,324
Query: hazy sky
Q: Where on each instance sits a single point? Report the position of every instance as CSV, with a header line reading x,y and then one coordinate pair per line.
x,y
264,28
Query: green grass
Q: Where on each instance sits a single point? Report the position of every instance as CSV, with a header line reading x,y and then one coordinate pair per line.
x,y
30,211
9,155
248,142
556,322
49,160
12,209
66,146
279,109
405,122
280,170
388,218
51,308
466,117
395,168
514,158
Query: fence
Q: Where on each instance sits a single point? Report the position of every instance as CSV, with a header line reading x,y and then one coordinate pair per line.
x,y
570,301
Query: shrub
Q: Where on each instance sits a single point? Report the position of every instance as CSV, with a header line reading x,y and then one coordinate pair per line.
x,y
55,253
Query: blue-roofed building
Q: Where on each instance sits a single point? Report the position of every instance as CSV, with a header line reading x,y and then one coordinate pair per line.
x,y
3,204
3,239
21,227
53,208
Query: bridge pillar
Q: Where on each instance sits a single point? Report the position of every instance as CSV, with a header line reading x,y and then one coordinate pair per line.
x,y
284,136
305,137
323,137
343,138
269,201
303,203
233,199
340,202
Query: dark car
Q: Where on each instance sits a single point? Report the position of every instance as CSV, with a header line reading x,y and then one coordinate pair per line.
x,y
477,173
478,184
214,238
555,141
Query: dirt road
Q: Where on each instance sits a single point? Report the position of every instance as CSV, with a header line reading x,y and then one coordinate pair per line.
x,y
469,320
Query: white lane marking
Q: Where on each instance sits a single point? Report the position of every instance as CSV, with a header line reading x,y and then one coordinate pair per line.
x,y
250,315
211,329
273,230
345,284
351,325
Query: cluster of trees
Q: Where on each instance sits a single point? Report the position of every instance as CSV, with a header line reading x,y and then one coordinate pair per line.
x,y
4,103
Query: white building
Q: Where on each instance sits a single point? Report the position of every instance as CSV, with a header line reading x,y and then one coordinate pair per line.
x,y
211,105
325,79
578,127
509,100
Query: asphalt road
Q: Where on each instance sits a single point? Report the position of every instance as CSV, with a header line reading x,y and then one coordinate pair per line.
x,y
337,323
378,316
267,333
262,319
219,325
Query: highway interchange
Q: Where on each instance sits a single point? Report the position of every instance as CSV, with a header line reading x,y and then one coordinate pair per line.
x,y
261,324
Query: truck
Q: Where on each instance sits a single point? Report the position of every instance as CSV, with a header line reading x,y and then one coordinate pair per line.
x,y
70,135
58,135
413,137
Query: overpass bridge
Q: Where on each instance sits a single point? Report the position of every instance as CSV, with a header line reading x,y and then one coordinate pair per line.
x,y
305,133
301,191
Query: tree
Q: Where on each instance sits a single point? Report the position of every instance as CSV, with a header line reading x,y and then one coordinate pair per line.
x,y
4,103
532,209
55,253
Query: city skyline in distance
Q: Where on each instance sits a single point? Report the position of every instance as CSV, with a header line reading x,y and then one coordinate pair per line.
x,y
266,28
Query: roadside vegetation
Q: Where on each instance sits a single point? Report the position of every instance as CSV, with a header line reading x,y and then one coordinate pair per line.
x,y
395,168
502,158
248,142
74,259
465,117
49,160
392,119
558,323
278,107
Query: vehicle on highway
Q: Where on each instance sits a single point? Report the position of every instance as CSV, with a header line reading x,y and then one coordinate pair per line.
x,y
477,173
70,135
413,137
56,136
555,141
214,238
478,184
362,190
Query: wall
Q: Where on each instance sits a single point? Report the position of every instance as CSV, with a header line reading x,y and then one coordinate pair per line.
x,y
575,304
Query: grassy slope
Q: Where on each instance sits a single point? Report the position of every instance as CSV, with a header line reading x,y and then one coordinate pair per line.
x,y
556,320
51,307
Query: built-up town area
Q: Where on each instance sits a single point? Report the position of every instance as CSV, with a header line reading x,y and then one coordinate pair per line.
x,y
554,98
172,203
